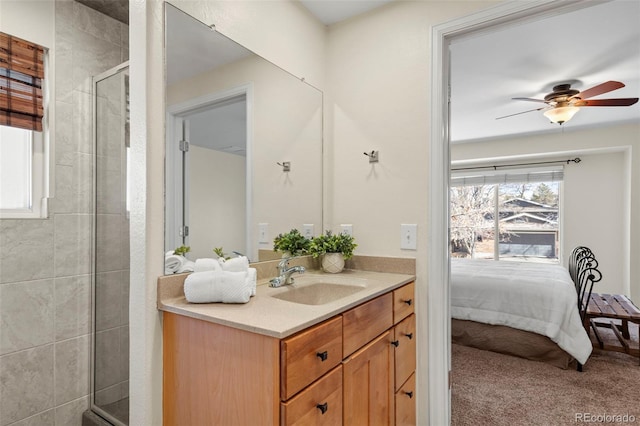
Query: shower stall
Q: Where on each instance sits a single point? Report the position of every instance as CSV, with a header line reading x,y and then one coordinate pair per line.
x,y
110,264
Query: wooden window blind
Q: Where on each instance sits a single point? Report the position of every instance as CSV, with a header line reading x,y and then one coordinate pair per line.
x,y
21,76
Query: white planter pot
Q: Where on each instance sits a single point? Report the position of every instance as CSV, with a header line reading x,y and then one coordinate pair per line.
x,y
333,262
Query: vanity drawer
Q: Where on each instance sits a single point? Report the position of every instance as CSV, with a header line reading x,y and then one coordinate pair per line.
x,y
404,334
406,403
363,323
319,404
308,355
403,302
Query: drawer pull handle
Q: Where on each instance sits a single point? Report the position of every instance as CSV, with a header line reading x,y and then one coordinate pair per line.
x,y
409,394
395,343
409,335
322,355
323,407
408,302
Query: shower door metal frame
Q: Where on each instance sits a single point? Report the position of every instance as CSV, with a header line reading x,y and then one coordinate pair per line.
x,y
95,80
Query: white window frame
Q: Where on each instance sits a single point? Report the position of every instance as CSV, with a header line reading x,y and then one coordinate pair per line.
x,y
41,172
39,180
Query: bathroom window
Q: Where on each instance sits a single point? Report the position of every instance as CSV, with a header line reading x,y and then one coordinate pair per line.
x,y
23,133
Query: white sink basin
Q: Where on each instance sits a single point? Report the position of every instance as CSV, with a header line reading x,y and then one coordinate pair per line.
x,y
318,293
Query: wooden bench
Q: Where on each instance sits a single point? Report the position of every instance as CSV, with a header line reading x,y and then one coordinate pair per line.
x,y
613,307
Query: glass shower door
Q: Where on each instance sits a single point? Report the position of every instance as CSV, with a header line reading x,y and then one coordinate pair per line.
x,y
110,346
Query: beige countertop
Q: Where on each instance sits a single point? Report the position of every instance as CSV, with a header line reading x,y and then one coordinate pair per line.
x,y
267,315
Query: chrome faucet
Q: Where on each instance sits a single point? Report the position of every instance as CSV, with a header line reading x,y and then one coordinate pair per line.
x,y
285,273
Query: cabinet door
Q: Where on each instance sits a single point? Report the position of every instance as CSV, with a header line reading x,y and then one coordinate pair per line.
x,y
404,349
406,403
368,384
319,404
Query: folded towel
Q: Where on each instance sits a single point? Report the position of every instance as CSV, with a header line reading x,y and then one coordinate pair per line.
x,y
252,279
187,266
236,264
218,286
207,264
173,262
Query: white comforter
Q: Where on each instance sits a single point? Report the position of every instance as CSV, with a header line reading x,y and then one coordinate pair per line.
x,y
540,298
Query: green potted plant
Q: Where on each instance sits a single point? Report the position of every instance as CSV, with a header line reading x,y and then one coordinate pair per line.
x,y
291,243
334,249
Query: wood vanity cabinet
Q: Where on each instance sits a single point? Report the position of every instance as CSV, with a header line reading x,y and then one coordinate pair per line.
x,y
356,368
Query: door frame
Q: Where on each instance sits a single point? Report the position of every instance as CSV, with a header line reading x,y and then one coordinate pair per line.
x,y
438,302
173,162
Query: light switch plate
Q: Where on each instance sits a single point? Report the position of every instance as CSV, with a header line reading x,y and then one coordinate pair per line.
x,y
347,229
409,236
307,230
263,232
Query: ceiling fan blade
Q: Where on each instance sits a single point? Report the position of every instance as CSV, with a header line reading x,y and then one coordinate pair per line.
x,y
529,100
518,113
606,102
599,89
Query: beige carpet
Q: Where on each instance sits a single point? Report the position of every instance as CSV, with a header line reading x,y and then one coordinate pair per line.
x,y
494,389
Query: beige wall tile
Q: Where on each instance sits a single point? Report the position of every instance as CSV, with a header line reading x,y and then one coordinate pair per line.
x,y
71,369
26,250
72,244
26,383
26,315
73,306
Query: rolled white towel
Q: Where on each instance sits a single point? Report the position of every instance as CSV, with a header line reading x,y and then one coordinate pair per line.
x,y
252,279
187,266
217,286
207,264
236,264
172,263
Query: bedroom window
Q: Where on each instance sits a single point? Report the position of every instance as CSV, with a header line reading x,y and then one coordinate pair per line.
x,y
506,216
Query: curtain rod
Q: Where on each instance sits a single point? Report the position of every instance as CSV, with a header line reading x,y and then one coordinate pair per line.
x,y
571,160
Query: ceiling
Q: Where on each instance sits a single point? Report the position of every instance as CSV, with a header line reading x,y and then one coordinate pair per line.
x,y
587,47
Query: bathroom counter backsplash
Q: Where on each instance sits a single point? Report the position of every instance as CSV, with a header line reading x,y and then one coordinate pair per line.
x,y
271,316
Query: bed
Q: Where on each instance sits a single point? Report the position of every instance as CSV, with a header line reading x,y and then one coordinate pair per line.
x,y
519,308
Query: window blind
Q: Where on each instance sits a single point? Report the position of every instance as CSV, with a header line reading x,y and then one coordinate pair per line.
x,y
21,76
493,177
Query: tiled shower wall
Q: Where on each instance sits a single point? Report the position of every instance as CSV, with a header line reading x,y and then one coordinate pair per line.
x,y
45,264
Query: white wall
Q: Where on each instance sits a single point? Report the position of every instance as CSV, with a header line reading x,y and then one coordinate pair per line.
x,y
601,197
377,98
216,202
295,42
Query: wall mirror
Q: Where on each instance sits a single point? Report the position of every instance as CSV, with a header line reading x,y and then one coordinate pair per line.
x,y
233,119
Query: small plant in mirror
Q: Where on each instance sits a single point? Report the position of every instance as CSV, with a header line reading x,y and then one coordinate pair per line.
x,y
333,243
220,253
182,250
292,243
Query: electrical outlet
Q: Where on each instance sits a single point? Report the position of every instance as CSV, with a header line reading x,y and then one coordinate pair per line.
x,y
347,229
307,230
408,236
263,232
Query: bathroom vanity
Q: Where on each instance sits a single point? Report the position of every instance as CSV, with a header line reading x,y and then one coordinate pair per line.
x,y
294,355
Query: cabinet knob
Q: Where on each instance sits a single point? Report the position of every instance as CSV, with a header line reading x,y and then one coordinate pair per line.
x,y
323,407
409,394
395,343
322,355
408,302
409,335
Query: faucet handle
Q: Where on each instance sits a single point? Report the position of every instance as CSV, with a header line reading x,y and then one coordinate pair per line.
x,y
283,264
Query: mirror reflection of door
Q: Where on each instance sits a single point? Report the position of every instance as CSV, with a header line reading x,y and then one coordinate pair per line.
x,y
213,170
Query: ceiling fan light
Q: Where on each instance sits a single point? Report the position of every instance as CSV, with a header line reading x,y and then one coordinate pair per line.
x,y
561,114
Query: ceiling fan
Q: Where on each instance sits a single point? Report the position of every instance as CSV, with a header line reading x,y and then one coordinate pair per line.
x,y
564,102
